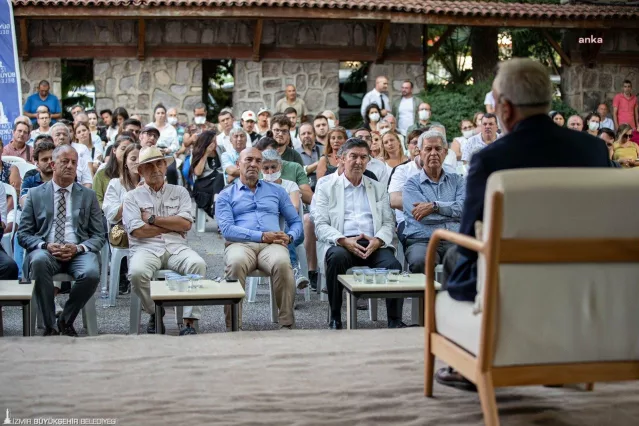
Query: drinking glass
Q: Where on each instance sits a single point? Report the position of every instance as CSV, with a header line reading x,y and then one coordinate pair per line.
x,y
195,281
358,274
182,284
381,276
369,276
393,276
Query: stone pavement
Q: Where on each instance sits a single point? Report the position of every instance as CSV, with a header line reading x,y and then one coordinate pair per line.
x,y
256,316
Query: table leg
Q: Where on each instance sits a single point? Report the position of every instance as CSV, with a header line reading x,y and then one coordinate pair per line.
x,y
421,310
235,317
352,323
158,318
26,319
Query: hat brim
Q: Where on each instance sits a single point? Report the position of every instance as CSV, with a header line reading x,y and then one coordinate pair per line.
x,y
169,160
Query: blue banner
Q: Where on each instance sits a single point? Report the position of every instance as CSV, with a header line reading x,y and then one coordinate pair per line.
x,y
10,85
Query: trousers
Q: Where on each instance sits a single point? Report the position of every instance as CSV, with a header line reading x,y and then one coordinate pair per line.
x,y
415,252
143,265
272,259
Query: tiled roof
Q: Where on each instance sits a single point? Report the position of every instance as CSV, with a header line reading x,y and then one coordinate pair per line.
x,y
435,7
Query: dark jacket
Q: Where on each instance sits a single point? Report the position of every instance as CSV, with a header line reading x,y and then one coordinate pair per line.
x,y
534,142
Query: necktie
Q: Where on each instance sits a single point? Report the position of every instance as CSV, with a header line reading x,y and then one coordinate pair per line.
x,y
60,217
381,98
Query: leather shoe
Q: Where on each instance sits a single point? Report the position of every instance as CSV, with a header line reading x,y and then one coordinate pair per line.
x,y
150,328
448,377
396,324
335,325
66,329
50,332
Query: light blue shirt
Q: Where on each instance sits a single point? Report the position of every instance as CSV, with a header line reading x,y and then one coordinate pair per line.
x,y
243,215
449,193
229,158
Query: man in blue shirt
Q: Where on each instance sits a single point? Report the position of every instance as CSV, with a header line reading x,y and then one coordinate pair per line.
x,y
248,214
432,199
42,97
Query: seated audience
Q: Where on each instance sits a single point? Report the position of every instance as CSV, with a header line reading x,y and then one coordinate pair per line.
x,y
310,151
134,126
376,166
291,114
44,122
62,136
608,136
10,174
354,223
248,125
593,122
206,170
113,167
432,199
281,127
8,268
468,131
127,180
626,151
575,122
486,136
328,163
66,236
149,136
239,141
558,118
393,152
372,117
377,149
18,146
157,217
248,213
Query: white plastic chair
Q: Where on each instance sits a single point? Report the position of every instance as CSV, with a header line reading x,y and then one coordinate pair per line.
x,y
23,168
117,254
7,239
200,220
11,159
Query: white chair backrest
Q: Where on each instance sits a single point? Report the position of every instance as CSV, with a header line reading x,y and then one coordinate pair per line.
x,y
23,168
11,191
566,312
12,159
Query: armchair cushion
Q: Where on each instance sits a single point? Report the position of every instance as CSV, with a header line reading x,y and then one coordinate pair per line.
x,y
458,322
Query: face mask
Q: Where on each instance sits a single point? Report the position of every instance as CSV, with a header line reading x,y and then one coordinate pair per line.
x,y
593,125
172,121
424,115
331,123
271,177
384,131
199,120
374,117
468,133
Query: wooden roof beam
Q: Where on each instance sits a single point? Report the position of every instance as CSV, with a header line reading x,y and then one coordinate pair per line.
x,y
141,39
257,39
565,59
383,30
432,50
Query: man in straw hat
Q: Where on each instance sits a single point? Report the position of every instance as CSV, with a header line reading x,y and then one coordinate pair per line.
x,y
157,217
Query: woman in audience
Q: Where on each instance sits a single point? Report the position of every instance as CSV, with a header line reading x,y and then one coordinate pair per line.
x,y
119,186
168,141
393,152
206,171
372,117
9,174
593,121
377,150
120,115
328,163
477,120
558,118
412,138
113,167
626,151
83,136
468,130
96,130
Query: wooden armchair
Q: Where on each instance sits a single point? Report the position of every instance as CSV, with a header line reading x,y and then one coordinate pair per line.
x,y
558,285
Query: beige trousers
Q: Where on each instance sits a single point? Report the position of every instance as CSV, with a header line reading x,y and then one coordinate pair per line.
x,y
143,264
272,259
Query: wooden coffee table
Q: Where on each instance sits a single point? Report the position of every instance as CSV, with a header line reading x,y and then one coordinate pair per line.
x,y
408,286
12,293
212,293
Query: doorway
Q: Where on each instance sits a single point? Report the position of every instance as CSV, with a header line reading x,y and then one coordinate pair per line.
x,y
77,85
217,84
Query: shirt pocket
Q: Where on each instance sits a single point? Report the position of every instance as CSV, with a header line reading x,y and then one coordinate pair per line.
x,y
147,207
172,206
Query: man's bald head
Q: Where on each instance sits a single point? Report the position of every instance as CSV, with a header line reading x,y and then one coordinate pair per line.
x,y
250,163
381,84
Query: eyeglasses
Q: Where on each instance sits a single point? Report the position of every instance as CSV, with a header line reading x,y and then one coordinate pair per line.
x,y
280,131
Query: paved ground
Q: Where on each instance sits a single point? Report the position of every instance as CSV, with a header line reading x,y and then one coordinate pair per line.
x,y
256,316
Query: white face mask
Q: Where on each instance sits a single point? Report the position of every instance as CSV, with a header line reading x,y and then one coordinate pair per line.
x,y
468,133
593,125
271,177
199,120
424,115
374,117
384,131
172,121
331,123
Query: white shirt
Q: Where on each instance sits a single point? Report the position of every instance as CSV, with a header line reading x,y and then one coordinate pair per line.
x,y
224,141
489,99
607,122
3,205
450,162
379,169
473,145
374,97
289,186
406,114
358,217
69,232
168,137
113,199
403,172
84,156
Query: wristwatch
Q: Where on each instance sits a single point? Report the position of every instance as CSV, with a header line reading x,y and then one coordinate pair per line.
x,y
79,249
435,207
290,239
151,220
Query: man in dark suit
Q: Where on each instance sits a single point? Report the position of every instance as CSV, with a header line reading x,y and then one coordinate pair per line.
x,y
62,230
523,93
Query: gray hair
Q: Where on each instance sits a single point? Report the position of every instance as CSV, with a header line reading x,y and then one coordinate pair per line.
x,y
199,105
439,126
61,150
384,120
62,126
236,130
431,134
271,155
526,84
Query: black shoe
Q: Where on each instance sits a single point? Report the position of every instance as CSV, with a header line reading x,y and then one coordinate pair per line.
x,y
66,329
335,325
312,276
396,324
50,332
448,377
150,328
186,330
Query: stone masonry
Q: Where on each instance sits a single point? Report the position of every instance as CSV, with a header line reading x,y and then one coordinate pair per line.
x,y
259,84
396,74
34,71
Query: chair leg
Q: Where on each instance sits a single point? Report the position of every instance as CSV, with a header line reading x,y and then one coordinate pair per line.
x,y
114,279
429,367
251,288
179,315
90,317
414,310
1,324
135,313
487,397
590,387
104,266
274,311
372,309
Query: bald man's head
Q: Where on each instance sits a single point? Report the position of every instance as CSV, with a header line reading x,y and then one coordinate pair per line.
x,y
250,162
381,84
291,93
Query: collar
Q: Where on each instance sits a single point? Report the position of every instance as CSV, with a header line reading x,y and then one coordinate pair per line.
x,y
16,149
423,177
56,187
161,191
533,122
348,183
240,185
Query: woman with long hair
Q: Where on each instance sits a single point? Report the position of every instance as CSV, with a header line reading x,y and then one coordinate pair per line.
x,y
168,142
206,171
477,120
372,116
377,150
113,167
393,151
328,163
82,134
626,151
592,123
96,130
558,118
467,128
120,185
120,115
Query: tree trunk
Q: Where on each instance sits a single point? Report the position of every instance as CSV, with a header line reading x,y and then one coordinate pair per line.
x,y
485,53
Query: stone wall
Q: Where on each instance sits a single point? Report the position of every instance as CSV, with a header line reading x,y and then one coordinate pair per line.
x,y
35,70
139,86
259,84
396,74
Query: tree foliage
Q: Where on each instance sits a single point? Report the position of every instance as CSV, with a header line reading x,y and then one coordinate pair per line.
x,y
452,54
75,75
